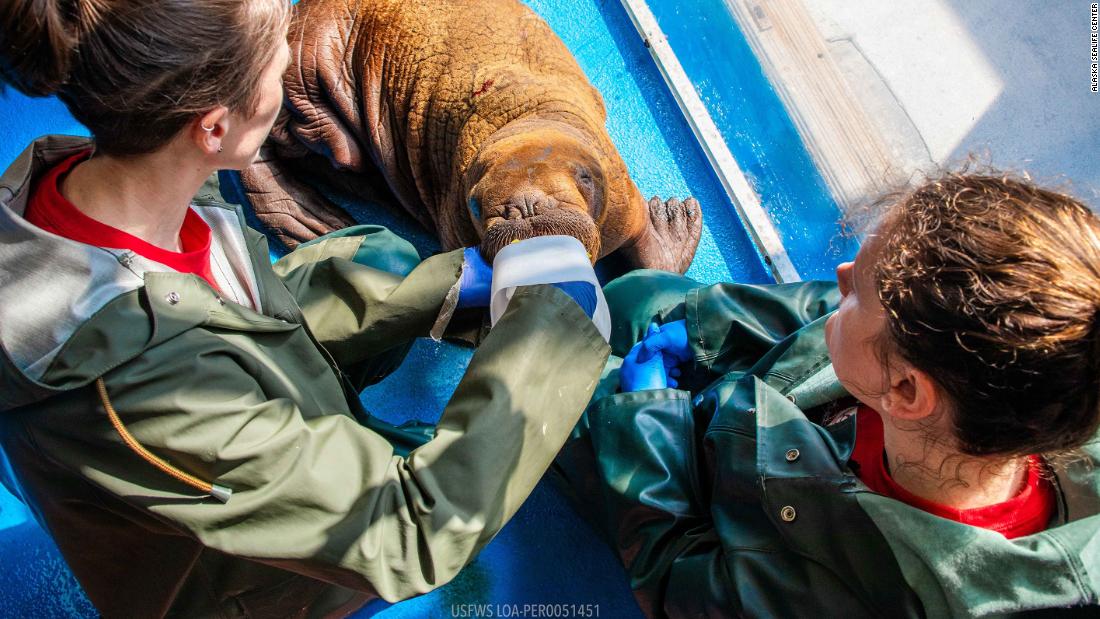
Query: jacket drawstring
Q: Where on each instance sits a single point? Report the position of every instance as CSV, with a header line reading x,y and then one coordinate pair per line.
x,y
220,493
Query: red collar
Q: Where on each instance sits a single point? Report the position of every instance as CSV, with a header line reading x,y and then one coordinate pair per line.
x,y
1026,513
52,212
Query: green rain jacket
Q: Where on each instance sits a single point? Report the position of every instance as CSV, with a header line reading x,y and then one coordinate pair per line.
x,y
735,498
325,514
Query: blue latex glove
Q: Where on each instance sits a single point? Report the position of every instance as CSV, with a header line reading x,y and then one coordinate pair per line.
x,y
637,374
671,340
477,280
583,293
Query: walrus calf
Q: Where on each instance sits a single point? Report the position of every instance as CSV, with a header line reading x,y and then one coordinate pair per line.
x,y
474,115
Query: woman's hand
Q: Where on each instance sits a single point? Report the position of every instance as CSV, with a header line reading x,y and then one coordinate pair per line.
x,y
642,370
477,280
583,293
670,340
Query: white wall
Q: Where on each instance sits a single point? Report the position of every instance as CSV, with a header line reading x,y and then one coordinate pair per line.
x,y
1005,80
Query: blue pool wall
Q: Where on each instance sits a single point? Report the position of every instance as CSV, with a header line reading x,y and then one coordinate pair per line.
x,y
546,554
759,133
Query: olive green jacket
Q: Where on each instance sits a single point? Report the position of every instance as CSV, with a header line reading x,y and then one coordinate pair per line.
x,y
325,513
734,497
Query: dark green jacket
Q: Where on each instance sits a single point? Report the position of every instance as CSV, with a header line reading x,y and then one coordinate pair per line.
x,y
324,513
736,497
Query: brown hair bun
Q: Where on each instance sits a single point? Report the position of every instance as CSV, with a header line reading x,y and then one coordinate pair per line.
x,y
38,39
135,72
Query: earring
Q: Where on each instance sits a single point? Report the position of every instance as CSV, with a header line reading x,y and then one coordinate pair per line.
x,y
209,129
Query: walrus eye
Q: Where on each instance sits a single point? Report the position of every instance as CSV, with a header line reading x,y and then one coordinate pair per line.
x,y
587,185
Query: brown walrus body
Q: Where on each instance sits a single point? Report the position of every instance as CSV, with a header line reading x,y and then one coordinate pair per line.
x,y
477,118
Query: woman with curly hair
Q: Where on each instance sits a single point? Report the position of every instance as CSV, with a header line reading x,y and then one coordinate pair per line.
x,y
914,440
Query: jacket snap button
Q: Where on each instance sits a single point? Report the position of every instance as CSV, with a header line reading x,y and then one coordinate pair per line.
x,y
787,514
173,298
791,398
792,455
751,411
221,301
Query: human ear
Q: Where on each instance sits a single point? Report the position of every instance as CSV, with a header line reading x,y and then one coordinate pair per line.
x,y
208,130
911,394
844,277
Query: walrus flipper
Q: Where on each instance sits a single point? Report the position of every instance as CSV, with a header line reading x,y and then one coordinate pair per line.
x,y
670,238
292,210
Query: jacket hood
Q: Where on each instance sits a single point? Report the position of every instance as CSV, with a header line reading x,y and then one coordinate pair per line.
x,y
52,287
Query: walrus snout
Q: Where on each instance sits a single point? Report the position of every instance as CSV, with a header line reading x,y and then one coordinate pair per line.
x,y
530,203
503,231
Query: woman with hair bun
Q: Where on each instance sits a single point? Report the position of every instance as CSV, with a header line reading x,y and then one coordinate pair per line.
x,y
182,416
918,439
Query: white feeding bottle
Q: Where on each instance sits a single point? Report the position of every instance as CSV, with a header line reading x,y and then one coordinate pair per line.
x,y
545,260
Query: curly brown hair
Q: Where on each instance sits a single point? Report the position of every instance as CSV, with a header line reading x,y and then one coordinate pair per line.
x,y
991,285
135,72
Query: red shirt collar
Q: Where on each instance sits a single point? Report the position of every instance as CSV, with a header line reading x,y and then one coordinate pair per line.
x,y
1024,514
52,212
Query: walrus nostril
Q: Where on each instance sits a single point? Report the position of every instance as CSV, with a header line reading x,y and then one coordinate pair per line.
x,y
532,202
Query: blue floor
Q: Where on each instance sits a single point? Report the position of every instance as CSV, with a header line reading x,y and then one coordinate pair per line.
x,y
546,555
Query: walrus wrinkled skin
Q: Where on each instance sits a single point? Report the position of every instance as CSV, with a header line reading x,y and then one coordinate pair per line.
x,y
476,117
